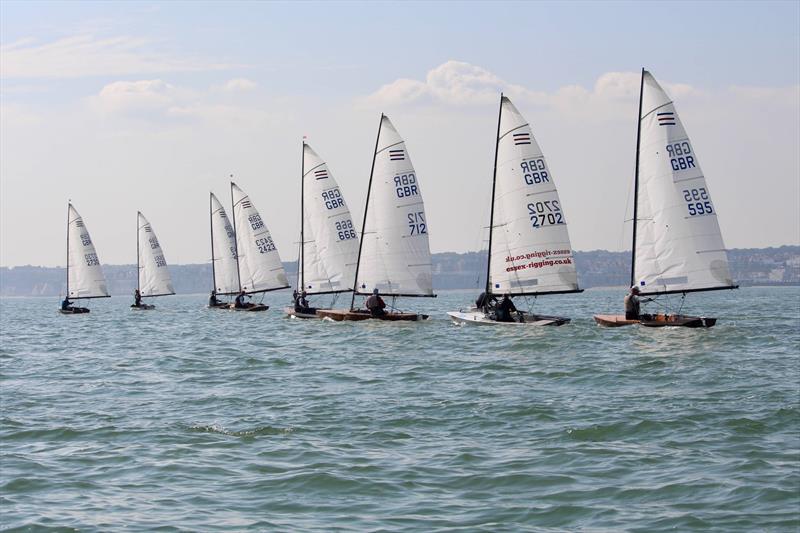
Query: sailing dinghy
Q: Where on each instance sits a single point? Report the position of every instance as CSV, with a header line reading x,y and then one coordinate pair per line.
x,y
85,277
677,244
394,255
152,275
224,270
529,248
259,267
328,242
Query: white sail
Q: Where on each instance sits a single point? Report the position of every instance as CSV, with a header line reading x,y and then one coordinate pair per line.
x,y
223,246
260,267
395,256
85,277
530,249
678,241
330,248
154,278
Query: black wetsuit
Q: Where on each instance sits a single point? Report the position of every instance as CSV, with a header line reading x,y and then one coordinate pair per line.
x,y
375,304
504,309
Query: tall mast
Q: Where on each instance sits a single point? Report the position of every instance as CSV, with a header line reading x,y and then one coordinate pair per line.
x,y
138,264
69,205
636,182
491,211
235,238
213,260
366,207
302,279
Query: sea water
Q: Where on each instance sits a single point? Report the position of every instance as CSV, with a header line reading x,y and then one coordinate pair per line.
x,y
190,419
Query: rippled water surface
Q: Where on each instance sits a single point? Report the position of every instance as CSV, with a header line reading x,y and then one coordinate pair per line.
x,y
193,419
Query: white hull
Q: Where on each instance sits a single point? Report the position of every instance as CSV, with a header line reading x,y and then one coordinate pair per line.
x,y
291,313
479,318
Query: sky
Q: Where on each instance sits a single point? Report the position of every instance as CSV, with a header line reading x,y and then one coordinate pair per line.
x,y
146,106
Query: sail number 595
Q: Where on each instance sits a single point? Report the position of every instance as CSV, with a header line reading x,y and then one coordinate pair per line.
x,y
698,202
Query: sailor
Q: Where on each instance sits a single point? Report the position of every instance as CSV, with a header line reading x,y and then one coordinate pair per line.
x,y
66,305
632,301
504,309
137,298
486,302
212,299
239,302
375,304
301,304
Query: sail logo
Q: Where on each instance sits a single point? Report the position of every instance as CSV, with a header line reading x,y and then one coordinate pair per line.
x,y
147,229
397,155
522,138
321,174
79,223
666,118
246,204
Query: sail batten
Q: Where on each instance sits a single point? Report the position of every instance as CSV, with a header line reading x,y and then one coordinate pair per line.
x,y
260,267
85,278
154,278
529,241
330,244
678,243
395,251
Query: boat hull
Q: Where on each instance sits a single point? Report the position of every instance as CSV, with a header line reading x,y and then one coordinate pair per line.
x,y
74,311
340,315
253,308
657,321
142,307
478,318
291,313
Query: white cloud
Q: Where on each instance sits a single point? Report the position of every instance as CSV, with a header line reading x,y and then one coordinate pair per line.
x,y
87,55
135,97
461,83
240,84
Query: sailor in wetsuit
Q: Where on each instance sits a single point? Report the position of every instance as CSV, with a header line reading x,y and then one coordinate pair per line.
x,y
375,304
486,302
504,309
137,298
66,305
632,305
239,302
212,299
301,304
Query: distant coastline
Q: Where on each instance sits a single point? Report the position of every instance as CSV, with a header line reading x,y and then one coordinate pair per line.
x,y
769,267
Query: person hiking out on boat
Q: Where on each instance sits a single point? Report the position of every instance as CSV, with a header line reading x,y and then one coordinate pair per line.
x,y
375,304
632,305
137,298
66,305
486,302
301,304
505,308
239,302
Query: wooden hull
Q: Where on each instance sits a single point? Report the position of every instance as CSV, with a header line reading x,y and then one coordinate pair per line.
x,y
358,315
478,318
291,313
74,311
252,308
657,321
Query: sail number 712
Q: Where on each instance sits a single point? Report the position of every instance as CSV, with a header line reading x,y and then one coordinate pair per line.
x,y
417,224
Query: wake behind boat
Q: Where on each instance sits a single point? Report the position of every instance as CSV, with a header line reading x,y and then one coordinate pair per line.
x,y
85,278
529,247
394,256
677,244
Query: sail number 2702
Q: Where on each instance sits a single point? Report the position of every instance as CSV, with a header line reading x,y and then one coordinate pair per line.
x,y
698,202
545,213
